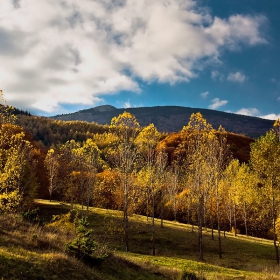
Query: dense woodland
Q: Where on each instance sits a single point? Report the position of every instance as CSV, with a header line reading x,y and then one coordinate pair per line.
x,y
201,176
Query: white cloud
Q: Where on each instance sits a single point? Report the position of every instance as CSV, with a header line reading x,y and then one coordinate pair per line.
x,y
237,77
270,117
278,99
127,104
248,111
55,51
204,94
216,103
216,75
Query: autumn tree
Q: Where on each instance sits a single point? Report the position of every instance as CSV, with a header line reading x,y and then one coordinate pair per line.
x,y
265,162
199,137
68,165
89,161
123,156
173,187
220,158
147,141
17,175
52,166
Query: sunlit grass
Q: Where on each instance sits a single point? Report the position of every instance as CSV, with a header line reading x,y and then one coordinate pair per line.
x,y
23,246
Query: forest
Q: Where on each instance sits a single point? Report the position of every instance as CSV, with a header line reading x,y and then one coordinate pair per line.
x,y
196,176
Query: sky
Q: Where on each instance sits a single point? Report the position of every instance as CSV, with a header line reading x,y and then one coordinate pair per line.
x,y
62,56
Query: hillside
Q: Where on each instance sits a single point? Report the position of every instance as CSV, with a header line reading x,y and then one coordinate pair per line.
x,y
30,251
173,118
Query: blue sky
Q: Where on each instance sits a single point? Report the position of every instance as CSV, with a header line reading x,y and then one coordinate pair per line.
x,y
62,56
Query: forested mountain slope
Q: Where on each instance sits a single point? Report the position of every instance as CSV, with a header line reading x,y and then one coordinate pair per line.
x,y
173,118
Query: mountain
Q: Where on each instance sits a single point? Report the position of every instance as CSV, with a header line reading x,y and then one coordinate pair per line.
x,y
173,118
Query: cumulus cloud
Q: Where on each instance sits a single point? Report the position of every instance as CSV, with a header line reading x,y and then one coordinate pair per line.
x,y
204,94
127,104
54,51
248,111
216,75
271,116
216,103
237,77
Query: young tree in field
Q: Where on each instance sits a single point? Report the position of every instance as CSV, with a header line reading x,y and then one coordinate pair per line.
x,y
221,157
161,164
90,156
246,193
68,162
265,162
230,178
173,187
199,135
124,156
147,141
52,166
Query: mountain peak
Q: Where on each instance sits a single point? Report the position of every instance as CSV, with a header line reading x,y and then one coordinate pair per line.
x,y
104,108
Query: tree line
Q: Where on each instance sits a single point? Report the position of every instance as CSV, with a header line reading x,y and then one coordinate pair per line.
x,y
130,168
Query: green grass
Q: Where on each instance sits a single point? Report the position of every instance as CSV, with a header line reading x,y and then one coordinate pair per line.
x,y
34,252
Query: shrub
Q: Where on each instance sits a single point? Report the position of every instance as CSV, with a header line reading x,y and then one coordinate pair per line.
x,y
187,275
65,221
31,216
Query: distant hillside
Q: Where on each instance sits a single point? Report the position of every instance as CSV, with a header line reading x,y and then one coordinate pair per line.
x,y
173,118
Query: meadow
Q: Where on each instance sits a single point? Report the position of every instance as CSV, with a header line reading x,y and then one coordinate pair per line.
x,y
37,251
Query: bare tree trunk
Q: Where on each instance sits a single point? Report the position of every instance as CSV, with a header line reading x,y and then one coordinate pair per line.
x,y
274,231
161,209
235,229
245,219
153,225
200,225
218,221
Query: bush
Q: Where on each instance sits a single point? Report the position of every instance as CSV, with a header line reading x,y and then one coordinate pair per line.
x,y
187,275
31,216
65,221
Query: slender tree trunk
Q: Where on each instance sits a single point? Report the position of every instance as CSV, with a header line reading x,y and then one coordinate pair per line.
x,y
200,225
175,211
125,216
235,229
72,195
200,237
218,221
245,219
274,230
161,209
147,206
51,189
153,226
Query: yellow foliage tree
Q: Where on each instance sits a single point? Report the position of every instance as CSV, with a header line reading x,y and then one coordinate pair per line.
x,y
17,179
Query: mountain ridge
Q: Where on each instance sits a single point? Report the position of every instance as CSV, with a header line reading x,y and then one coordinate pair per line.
x,y
173,118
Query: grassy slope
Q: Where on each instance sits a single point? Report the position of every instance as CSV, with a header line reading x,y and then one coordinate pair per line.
x,y
30,252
